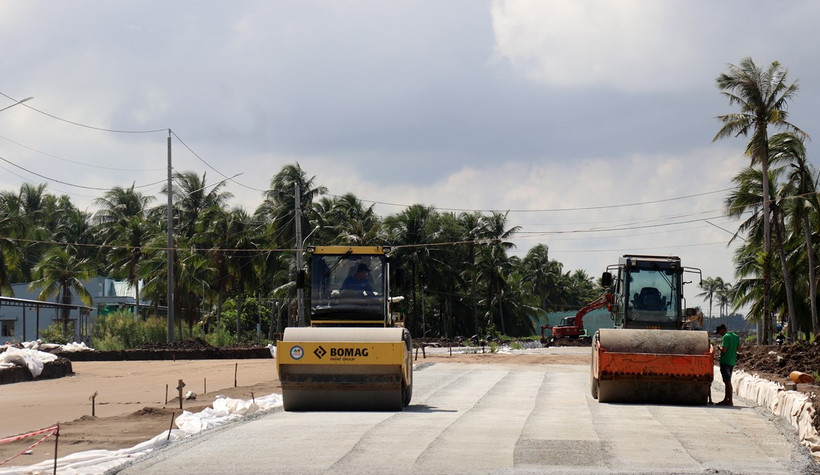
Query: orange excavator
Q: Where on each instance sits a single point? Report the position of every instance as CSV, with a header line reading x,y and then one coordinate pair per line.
x,y
649,356
573,327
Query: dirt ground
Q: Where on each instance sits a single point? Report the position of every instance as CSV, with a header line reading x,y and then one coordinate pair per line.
x,y
777,362
131,407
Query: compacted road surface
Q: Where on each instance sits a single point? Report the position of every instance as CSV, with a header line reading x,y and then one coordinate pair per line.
x,y
497,418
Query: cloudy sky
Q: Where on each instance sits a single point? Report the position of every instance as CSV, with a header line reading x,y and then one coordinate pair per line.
x,y
590,121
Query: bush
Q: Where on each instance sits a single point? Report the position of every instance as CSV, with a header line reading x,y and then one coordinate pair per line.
x,y
119,331
54,334
220,337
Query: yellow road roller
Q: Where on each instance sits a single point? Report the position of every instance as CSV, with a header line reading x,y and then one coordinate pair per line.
x,y
356,353
650,355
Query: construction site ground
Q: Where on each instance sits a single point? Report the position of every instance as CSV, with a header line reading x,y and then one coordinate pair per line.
x,y
130,403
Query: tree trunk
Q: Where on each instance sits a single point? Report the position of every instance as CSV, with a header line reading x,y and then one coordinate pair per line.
x,y
137,301
767,232
66,299
219,307
239,301
787,281
501,312
815,325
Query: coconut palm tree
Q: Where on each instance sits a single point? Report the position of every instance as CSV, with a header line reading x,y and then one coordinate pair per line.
x,y
762,96
10,228
710,285
279,206
124,227
471,226
804,204
62,273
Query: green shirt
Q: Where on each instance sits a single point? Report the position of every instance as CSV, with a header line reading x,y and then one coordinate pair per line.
x,y
730,342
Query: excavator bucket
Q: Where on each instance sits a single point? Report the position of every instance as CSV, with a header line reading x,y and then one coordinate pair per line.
x,y
366,369
660,366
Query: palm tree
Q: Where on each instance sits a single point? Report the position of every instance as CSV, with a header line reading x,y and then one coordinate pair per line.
x,y
471,224
279,205
10,227
352,222
28,210
747,198
192,198
493,263
802,189
125,230
545,275
762,96
710,285
62,273
412,231
724,298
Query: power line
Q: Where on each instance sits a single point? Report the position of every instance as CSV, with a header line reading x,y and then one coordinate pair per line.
x,y
67,183
550,210
211,166
78,124
77,162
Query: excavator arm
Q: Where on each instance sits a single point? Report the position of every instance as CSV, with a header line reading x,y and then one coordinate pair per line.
x,y
577,328
600,302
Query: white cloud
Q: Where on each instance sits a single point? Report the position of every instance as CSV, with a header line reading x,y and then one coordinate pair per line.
x,y
626,45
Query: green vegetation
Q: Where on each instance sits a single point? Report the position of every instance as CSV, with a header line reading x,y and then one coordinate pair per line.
x,y
120,331
54,334
235,270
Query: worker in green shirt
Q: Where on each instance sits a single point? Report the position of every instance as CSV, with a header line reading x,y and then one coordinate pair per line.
x,y
729,344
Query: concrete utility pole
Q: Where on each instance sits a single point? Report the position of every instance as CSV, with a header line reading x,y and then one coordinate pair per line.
x,y
170,212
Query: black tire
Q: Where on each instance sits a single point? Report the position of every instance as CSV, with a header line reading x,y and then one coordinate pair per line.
x,y
406,393
593,387
407,388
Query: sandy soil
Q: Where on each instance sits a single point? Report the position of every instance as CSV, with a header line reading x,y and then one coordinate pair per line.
x,y
130,406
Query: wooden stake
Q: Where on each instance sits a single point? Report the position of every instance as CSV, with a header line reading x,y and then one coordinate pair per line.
x,y
166,394
171,426
56,441
204,385
179,389
93,399
235,370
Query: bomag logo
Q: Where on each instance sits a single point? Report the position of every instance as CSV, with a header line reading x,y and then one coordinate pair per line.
x,y
348,353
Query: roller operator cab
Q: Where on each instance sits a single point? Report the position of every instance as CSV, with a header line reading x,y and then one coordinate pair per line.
x,y
647,356
356,354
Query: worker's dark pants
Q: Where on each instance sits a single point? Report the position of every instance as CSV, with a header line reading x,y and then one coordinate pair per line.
x,y
726,372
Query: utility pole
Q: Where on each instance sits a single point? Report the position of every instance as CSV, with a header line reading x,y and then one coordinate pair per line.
x,y
300,291
170,212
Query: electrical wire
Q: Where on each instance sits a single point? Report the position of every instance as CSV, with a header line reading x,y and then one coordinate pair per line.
x,y
78,162
78,124
551,210
67,183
